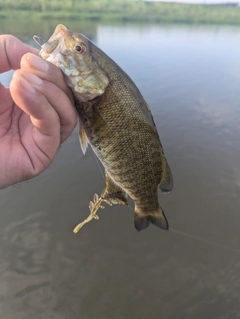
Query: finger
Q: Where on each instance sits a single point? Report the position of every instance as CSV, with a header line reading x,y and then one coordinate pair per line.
x,y
45,133
33,103
58,100
6,106
5,99
54,98
11,52
46,71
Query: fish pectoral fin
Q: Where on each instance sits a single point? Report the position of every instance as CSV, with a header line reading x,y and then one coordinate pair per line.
x,y
143,219
166,184
114,192
83,139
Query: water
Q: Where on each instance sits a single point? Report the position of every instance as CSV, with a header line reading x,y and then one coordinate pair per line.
x,y
190,76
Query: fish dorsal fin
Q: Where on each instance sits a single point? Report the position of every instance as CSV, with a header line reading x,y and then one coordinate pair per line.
x,y
83,139
116,193
166,184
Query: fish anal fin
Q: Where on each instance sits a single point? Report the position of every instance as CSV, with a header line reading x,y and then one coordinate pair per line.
x,y
166,184
83,139
142,220
114,192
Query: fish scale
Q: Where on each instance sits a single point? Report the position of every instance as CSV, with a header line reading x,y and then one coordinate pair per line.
x,y
117,122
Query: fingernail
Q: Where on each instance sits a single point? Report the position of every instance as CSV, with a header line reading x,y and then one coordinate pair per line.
x,y
37,62
32,79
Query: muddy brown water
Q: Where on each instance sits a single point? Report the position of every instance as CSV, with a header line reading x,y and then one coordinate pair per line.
x,y
190,76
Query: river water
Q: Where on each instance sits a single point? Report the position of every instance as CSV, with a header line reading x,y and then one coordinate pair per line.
x,y
190,76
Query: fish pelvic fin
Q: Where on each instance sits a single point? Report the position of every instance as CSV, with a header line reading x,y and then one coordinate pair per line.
x,y
83,139
143,219
166,184
115,193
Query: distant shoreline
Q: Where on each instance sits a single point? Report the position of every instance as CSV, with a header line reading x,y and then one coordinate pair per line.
x,y
136,11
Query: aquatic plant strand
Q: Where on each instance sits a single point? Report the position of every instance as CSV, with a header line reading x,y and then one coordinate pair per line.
x,y
94,207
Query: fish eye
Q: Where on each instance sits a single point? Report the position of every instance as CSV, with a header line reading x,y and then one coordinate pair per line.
x,y
78,48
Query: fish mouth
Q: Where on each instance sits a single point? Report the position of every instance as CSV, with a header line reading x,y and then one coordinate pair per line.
x,y
60,28
47,47
59,32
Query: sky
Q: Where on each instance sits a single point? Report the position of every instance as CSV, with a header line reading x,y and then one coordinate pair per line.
x,y
200,1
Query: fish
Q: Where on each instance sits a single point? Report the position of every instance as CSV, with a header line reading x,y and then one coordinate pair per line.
x,y
117,122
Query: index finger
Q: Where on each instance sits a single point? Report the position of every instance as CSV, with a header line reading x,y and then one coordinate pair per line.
x,y
11,52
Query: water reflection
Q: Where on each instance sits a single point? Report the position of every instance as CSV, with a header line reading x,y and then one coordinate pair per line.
x,y
190,78
44,28
27,241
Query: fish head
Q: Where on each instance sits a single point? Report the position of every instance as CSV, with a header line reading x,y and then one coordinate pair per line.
x,y
73,53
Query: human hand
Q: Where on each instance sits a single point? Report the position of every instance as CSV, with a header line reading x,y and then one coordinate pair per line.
x,y
36,112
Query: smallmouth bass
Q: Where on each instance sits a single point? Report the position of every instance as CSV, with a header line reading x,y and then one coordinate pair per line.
x,y
117,122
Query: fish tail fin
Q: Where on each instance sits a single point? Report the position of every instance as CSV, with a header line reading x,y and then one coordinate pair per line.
x,y
142,220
